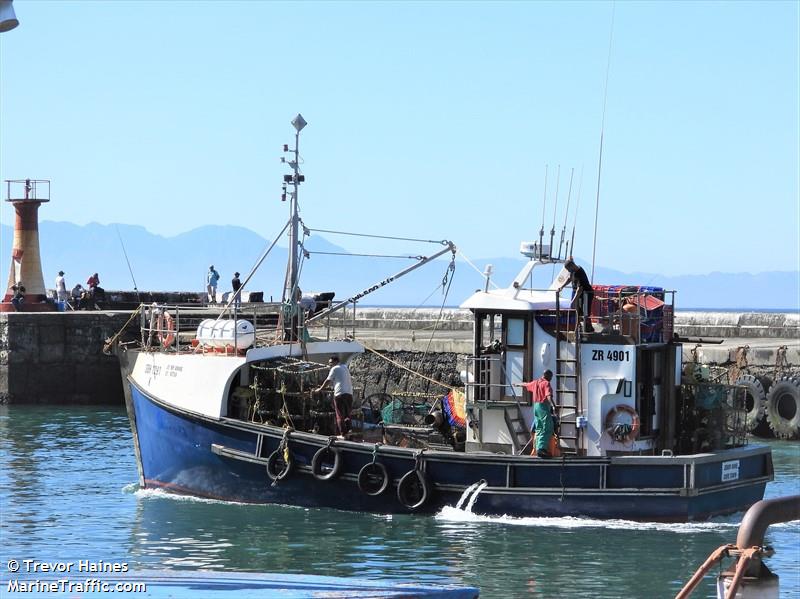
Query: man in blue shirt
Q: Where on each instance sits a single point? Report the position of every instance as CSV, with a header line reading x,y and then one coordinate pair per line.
x,y
211,284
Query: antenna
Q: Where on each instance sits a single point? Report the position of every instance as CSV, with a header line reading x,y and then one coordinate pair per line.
x,y
555,209
544,204
566,215
602,129
575,218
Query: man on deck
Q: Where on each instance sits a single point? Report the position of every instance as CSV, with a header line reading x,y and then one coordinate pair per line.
x,y
339,376
582,293
542,417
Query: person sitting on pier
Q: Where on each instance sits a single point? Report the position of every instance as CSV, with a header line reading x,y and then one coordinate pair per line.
x,y
96,292
582,293
75,295
542,413
19,295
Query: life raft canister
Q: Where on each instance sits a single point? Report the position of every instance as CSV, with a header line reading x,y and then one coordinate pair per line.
x,y
622,432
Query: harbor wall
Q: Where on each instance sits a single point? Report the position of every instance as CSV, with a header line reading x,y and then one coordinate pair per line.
x,y
57,357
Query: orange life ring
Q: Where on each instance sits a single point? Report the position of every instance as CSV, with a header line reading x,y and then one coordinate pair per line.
x,y
166,329
620,431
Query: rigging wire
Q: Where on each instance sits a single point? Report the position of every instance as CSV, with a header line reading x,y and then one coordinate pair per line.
x,y
478,270
367,255
438,242
602,130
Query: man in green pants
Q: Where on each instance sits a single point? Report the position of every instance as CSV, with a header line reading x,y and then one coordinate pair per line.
x,y
542,418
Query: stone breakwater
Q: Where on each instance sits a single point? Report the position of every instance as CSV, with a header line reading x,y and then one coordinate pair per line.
x,y
57,357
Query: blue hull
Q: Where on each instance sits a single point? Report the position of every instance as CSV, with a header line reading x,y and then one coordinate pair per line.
x,y
226,459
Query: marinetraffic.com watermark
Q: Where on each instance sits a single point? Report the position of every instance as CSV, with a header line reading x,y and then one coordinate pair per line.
x,y
77,577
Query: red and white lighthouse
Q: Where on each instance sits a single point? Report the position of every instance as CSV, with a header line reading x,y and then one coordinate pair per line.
x,y
26,195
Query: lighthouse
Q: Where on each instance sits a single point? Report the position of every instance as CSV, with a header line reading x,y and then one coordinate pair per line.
x,y
25,280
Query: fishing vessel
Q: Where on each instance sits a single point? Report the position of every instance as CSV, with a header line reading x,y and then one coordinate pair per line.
x,y
232,413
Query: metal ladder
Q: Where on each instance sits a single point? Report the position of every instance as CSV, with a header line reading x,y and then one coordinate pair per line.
x,y
567,375
515,422
520,435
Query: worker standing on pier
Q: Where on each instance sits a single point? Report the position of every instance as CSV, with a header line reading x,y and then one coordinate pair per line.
x,y
542,412
236,284
211,284
61,287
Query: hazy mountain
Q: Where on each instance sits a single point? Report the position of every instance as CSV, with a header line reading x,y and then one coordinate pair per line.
x,y
179,263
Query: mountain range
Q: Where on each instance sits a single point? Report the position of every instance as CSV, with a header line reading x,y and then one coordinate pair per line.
x,y
180,263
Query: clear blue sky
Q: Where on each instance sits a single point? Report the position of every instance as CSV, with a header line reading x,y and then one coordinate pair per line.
x,y
431,120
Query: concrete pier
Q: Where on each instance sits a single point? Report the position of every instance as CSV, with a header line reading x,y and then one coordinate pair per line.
x,y
57,357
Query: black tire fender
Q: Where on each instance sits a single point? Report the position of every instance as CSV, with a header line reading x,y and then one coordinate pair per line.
x,y
783,397
371,471
413,489
755,396
278,467
317,461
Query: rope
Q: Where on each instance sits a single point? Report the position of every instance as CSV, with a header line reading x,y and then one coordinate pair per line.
x,y
406,368
439,242
110,342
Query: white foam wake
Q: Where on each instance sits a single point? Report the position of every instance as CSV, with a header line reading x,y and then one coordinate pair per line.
x,y
454,514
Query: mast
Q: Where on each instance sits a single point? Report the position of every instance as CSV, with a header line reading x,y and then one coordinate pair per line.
x,y
294,180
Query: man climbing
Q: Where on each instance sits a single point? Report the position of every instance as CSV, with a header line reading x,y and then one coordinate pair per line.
x,y
542,415
582,293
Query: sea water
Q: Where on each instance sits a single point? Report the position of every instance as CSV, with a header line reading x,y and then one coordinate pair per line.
x,y
68,492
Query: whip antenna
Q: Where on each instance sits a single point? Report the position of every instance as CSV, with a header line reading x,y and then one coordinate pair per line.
x,y
544,204
555,210
566,216
575,218
602,129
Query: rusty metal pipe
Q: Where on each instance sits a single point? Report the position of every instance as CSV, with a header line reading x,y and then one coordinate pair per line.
x,y
763,513
741,567
716,556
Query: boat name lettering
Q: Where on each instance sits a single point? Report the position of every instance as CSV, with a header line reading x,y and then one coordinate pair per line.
x,y
730,470
612,355
170,370
371,289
